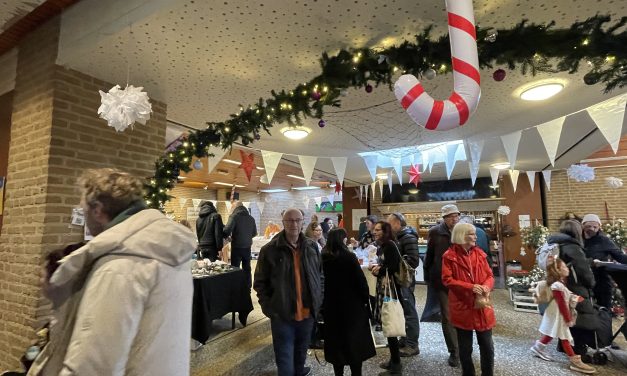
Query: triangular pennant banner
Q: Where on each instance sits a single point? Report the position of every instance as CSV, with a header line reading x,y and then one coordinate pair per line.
x,y
246,204
431,162
381,188
494,173
330,198
513,174
371,164
307,163
339,164
182,202
609,116
425,160
511,142
306,202
318,201
547,178
390,182
361,192
398,168
214,202
451,150
474,170
271,161
260,205
550,133
196,202
475,147
531,175
228,204
212,162
372,189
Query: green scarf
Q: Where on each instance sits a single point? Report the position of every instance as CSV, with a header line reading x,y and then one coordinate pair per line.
x,y
134,208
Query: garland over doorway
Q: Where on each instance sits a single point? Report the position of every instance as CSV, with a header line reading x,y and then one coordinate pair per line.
x,y
532,48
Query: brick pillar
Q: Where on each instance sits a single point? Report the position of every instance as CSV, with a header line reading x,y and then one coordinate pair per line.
x,y
55,135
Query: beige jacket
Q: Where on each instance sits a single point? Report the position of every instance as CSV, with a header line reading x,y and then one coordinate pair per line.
x,y
123,303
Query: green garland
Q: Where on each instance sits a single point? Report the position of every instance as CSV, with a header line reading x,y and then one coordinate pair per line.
x,y
533,48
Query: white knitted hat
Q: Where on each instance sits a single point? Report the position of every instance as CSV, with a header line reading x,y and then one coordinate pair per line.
x,y
591,218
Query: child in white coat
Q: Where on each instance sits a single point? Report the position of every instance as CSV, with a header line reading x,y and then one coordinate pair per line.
x,y
559,316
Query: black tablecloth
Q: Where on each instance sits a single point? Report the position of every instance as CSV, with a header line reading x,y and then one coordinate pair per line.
x,y
217,295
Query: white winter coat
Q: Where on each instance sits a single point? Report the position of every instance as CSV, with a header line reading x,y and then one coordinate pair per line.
x,y
123,302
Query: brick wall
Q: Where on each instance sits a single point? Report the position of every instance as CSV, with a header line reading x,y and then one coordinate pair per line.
x,y
582,198
55,135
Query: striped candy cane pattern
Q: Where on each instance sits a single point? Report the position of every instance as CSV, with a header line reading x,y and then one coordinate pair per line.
x,y
454,111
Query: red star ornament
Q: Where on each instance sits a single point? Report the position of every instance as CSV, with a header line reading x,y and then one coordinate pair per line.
x,y
338,187
414,174
248,163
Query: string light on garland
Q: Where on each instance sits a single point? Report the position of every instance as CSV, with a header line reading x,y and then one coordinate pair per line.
x,y
553,50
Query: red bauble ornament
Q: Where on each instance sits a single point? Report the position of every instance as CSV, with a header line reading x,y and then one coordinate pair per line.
x,y
499,75
315,95
368,88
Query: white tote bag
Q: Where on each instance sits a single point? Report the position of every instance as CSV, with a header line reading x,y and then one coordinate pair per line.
x,y
392,317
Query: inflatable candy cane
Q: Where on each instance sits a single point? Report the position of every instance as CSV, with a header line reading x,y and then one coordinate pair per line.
x,y
455,111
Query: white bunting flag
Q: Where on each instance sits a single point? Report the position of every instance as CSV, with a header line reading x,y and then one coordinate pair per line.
x,y
513,175
361,193
547,178
182,202
531,175
390,181
372,189
339,164
260,205
511,142
371,164
331,198
381,188
196,202
307,164
449,162
425,160
494,173
550,133
246,204
271,161
475,147
318,201
306,201
474,171
398,168
609,116
218,153
228,204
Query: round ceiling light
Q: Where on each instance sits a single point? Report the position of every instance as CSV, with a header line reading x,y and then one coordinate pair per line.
x,y
296,133
541,92
500,166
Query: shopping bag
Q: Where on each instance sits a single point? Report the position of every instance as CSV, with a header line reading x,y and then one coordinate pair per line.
x,y
392,316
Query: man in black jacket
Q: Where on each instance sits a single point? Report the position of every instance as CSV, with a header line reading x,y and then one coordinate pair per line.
x,y
289,285
599,247
407,240
439,240
209,230
242,229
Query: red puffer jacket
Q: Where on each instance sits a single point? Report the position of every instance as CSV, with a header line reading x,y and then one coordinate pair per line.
x,y
460,271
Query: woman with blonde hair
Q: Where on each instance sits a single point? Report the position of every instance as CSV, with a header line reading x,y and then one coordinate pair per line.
x,y
469,279
314,232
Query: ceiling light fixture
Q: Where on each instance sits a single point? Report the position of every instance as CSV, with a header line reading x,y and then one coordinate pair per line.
x,y
295,177
228,184
500,166
304,188
541,92
275,190
296,132
231,161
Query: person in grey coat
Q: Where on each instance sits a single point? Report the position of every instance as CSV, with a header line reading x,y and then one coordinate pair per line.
x,y
242,228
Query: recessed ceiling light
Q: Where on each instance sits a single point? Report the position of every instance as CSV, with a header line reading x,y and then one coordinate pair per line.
x,y
275,190
296,133
228,184
295,177
501,166
304,188
231,161
541,92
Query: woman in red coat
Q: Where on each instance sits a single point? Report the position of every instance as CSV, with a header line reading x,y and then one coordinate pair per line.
x,y
467,275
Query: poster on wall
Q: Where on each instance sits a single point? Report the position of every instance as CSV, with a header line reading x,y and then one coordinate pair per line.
x,y
2,179
524,220
357,214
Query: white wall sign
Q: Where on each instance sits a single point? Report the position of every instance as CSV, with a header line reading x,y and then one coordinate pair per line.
x,y
524,221
357,214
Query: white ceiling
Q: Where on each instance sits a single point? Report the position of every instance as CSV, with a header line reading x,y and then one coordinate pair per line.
x,y
205,58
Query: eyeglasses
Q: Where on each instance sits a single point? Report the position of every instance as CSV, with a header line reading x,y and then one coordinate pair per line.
x,y
293,221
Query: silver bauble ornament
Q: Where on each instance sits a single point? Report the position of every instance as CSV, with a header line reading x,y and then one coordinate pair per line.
x,y
197,165
429,74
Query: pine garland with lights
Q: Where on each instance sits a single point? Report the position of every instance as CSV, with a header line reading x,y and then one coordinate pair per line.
x,y
531,47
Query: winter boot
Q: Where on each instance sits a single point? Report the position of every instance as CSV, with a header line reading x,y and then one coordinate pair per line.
x,y
577,365
394,369
539,350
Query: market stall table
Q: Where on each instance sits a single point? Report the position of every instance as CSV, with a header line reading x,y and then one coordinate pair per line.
x,y
217,295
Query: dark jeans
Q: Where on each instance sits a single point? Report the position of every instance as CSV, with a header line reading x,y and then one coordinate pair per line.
x,y
338,369
242,255
412,325
208,252
290,340
486,352
450,337
603,296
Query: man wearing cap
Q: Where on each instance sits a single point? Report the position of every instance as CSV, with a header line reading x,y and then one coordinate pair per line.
x,y
439,240
600,248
